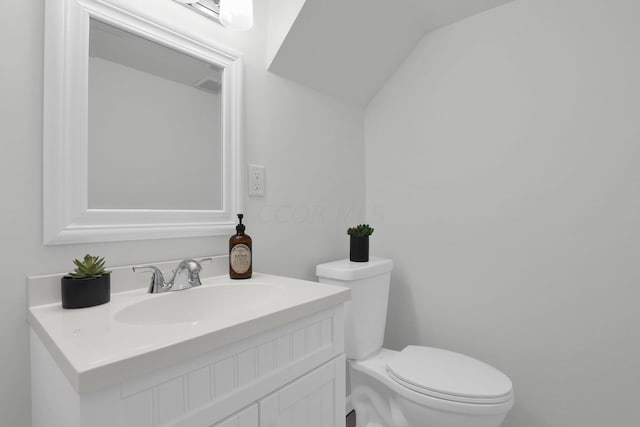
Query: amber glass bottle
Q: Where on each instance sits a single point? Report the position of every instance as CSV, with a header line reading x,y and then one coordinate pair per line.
x,y
240,257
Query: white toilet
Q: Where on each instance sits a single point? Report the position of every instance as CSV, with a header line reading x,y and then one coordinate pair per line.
x,y
418,386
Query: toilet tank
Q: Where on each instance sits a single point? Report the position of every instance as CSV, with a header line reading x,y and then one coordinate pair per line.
x,y
366,313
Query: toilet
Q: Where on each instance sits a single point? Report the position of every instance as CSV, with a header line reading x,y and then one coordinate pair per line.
x,y
418,386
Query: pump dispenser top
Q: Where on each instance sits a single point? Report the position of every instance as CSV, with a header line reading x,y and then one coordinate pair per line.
x,y
240,227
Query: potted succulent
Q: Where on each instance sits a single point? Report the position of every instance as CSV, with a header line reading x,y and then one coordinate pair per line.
x,y
359,245
88,285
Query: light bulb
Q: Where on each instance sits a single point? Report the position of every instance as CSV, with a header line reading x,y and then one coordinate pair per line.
x,y
236,14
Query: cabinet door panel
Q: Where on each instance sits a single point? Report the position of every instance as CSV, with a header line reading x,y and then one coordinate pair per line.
x,y
314,400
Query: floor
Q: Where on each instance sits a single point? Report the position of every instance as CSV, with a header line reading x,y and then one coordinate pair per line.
x,y
351,419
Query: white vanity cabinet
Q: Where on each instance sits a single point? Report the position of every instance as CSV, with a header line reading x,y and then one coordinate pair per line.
x,y
292,375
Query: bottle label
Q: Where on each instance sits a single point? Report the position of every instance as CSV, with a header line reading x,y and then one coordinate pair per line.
x,y
240,258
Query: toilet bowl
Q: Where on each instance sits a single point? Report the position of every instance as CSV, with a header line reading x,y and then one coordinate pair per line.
x,y
418,386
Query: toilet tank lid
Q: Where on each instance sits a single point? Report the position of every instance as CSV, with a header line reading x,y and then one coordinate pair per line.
x,y
349,270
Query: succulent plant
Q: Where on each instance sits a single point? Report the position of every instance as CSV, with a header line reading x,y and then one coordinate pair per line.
x,y
361,230
90,266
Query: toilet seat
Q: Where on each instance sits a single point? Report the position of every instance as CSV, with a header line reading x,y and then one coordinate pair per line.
x,y
448,375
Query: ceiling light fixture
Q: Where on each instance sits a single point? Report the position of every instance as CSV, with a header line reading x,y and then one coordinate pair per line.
x,y
232,14
236,14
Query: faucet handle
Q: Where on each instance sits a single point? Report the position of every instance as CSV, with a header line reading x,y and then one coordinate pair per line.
x,y
157,279
193,265
190,265
193,269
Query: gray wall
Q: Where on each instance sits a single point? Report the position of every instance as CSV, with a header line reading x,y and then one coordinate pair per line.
x,y
502,163
311,146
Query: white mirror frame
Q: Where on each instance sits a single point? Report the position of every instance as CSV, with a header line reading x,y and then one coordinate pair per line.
x,y
66,215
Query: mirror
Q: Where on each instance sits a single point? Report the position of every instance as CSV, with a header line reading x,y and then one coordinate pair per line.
x,y
141,126
154,115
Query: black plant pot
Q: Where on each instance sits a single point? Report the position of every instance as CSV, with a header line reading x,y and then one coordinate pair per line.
x,y
81,293
359,249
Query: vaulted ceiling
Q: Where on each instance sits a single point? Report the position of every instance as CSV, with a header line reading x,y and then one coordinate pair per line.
x,y
349,48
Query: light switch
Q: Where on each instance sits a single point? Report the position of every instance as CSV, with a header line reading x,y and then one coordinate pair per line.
x,y
256,180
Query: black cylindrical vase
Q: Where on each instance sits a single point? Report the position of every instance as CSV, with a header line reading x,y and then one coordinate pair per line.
x,y
359,249
81,293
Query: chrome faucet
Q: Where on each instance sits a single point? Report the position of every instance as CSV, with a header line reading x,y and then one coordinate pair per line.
x,y
185,276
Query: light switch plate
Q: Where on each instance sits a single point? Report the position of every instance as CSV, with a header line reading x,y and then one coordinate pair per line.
x,y
256,180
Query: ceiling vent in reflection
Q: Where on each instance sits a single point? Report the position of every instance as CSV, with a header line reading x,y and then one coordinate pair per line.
x,y
208,84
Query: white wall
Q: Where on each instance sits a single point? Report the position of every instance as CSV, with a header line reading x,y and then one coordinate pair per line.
x,y
502,162
311,146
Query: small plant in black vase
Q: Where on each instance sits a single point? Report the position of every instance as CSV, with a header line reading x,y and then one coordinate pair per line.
x,y
359,244
87,285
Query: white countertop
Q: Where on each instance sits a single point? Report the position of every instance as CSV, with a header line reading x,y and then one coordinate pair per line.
x,y
95,350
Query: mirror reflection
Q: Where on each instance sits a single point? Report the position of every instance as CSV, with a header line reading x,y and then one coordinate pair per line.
x,y
154,125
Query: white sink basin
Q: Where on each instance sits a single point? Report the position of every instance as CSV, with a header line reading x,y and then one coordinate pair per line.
x,y
198,304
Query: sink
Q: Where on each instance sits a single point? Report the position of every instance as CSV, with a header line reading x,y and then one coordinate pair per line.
x,y
199,304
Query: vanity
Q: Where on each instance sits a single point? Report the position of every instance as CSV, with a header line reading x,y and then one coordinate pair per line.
x,y
125,82
267,351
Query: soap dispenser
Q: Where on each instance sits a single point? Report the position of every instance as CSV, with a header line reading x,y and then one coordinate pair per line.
x,y
240,259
